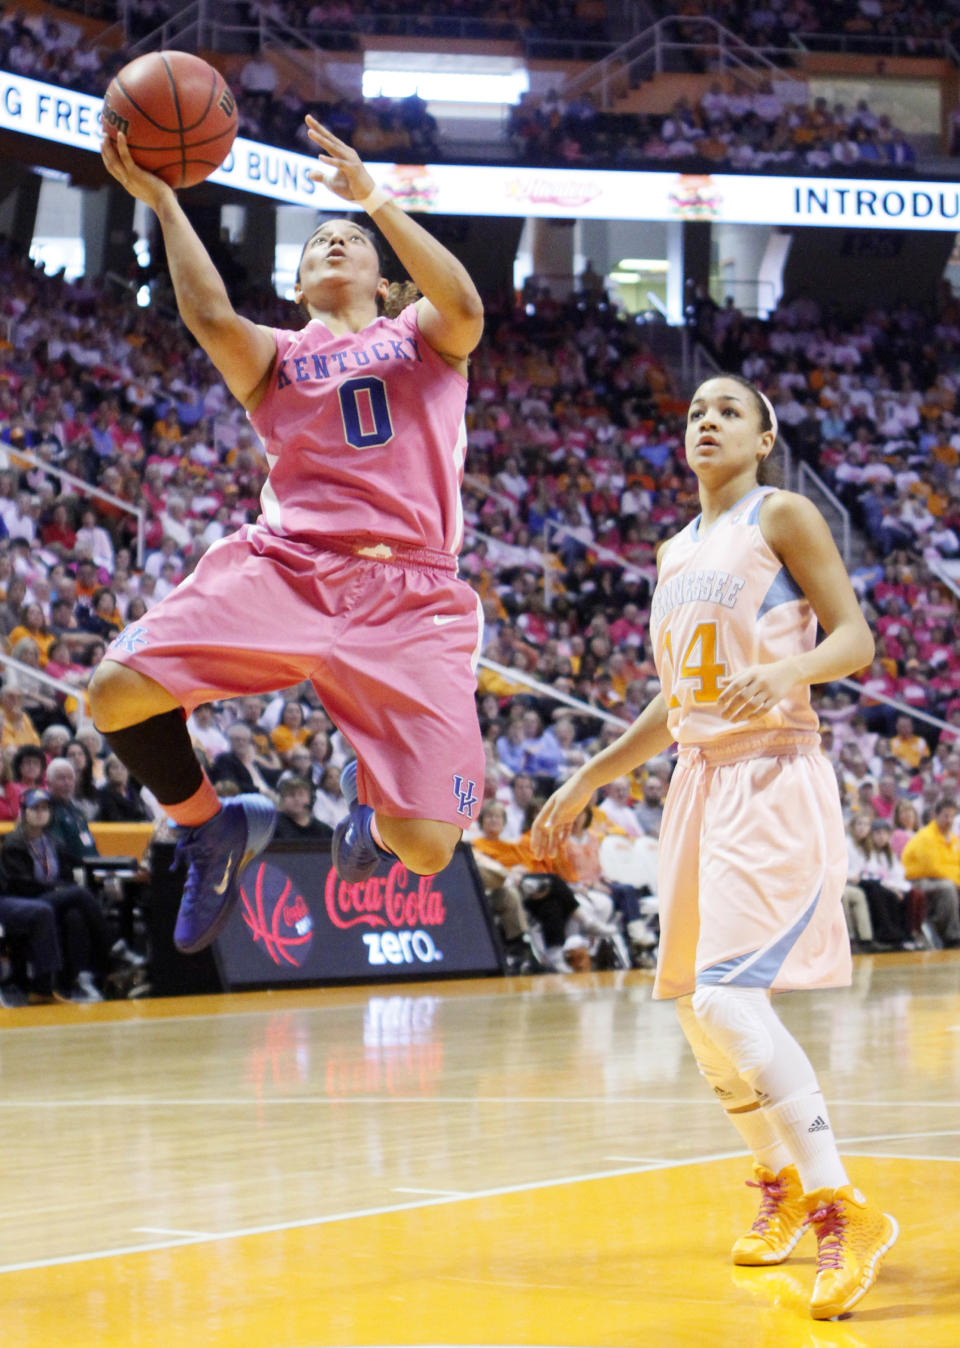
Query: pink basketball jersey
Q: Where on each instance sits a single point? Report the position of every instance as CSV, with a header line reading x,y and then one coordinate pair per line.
x,y
365,437
723,602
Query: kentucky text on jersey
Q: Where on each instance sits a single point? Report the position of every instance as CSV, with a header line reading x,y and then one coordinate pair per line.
x,y
305,369
710,587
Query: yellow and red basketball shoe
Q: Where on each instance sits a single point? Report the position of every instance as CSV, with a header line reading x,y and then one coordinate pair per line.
x,y
781,1221
852,1238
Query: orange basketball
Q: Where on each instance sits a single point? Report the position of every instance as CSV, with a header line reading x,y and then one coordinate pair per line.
x,y
177,113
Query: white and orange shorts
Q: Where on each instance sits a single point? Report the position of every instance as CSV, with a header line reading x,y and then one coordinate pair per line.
x,y
391,646
752,867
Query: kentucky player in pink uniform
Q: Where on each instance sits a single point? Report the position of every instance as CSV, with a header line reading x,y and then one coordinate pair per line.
x,y
752,858
348,577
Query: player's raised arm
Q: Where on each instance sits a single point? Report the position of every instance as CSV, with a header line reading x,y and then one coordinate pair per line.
x,y
647,737
450,314
242,351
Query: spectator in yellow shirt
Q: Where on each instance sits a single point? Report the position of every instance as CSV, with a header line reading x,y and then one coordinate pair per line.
x,y
931,861
291,731
17,727
907,745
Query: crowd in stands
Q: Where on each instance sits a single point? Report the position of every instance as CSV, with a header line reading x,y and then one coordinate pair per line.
x,y
335,24
575,474
919,29
740,129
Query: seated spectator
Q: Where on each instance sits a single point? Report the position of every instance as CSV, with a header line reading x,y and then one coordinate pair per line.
x,y
856,910
905,823
18,728
55,739
931,861
571,754
9,794
519,802
251,714
102,618
501,882
30,932
649,808
320,753
291,729
206,733
295,818
65,627
34,626
874,869
512,746
119,800
617,806
36,866
86,784
516,881
244,765
94,541
39,703
28,770
907,745
69,823
329,805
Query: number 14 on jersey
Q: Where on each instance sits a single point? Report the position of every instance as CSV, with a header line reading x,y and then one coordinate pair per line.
x,y
699,661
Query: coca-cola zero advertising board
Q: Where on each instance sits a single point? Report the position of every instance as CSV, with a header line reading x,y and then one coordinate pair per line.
x,y
298,922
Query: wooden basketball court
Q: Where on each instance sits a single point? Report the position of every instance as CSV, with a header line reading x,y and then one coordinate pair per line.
x,y
505,1162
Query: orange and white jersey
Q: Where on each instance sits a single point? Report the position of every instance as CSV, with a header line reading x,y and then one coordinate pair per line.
x,y
725,601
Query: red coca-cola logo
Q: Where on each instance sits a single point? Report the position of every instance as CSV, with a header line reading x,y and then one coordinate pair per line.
x,y
384,901
277,916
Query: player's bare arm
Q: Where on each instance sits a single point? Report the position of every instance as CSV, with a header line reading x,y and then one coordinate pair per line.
x,y
798,534
648,736
450,314
242,351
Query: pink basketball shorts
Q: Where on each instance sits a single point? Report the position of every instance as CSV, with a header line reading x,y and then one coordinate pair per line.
x,y
752,867
390,646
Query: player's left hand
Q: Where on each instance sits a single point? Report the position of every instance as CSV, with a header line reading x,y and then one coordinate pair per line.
x,y
344,174
755,691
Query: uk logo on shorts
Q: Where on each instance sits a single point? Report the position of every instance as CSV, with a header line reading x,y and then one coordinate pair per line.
x,y
131,639
466,794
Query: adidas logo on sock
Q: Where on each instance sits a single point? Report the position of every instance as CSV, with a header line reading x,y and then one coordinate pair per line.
x,y
819,1125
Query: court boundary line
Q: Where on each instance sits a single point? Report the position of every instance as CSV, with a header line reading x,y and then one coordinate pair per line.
x,y
258,1102
443,990
386,1210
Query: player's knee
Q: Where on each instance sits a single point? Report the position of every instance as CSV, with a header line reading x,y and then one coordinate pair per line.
x,y
425,846
714,1066
732,1017
102,690
121,697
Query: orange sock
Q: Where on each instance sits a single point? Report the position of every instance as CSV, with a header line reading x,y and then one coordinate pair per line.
x,y
198,808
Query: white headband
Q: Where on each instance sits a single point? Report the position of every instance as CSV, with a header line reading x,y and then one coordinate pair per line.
x,y
774,425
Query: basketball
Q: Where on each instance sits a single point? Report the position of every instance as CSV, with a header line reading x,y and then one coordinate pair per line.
x,y
177,113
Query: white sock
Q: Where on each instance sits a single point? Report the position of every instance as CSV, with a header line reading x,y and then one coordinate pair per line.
x,y
803,1125
761,1137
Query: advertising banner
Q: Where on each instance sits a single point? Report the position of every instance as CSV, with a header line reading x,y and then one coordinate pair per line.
x,y
298,922
70,118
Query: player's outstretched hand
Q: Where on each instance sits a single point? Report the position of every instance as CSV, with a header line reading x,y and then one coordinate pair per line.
x,y
344,173
140,183
553,824
756,690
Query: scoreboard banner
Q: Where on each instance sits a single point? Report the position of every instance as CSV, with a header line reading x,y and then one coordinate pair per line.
x,y
71,118
298,922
